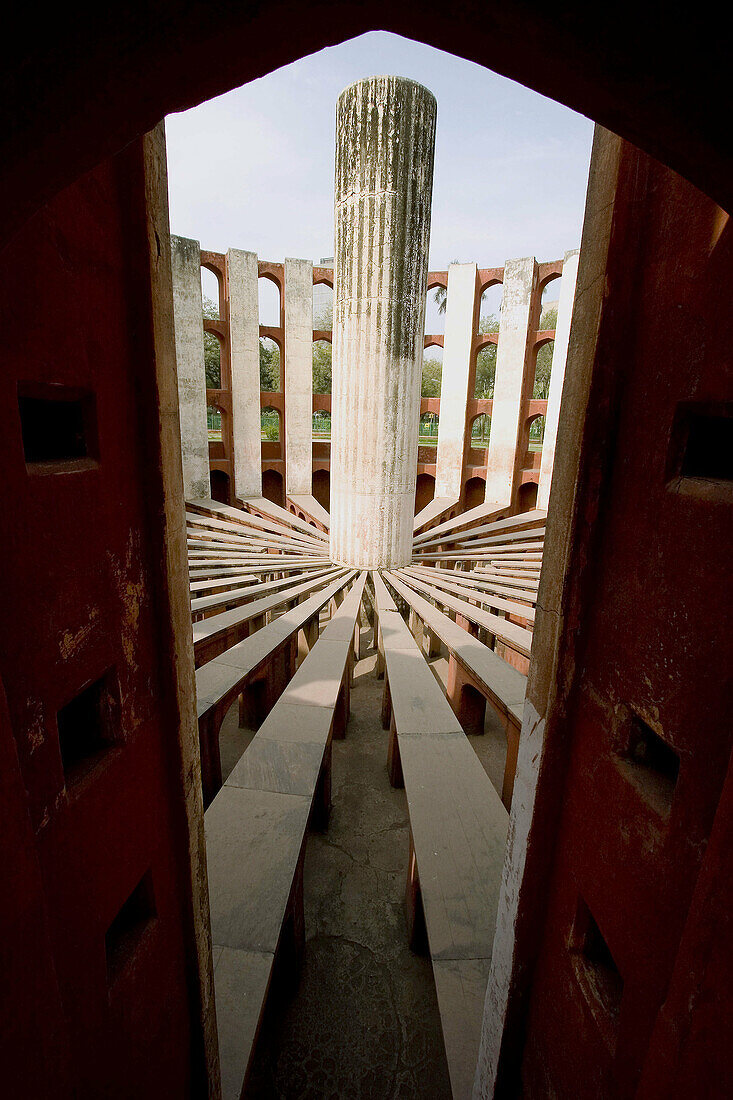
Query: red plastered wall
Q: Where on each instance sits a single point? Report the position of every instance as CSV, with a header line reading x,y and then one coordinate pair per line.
x,y
655,643
81,583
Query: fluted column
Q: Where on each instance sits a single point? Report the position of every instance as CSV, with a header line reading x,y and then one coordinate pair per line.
x,y
385,137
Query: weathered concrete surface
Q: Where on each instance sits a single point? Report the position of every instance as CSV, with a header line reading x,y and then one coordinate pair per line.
x,y
385,136
363,1021
557,377
298,376
189,329
520,280
244,349
458,341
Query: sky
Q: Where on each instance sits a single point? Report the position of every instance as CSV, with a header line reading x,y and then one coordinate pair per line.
x,y
253,169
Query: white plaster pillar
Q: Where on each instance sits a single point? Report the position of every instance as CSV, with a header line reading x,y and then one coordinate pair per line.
x,y
385,138
188,320
244,354
557,375
520,283
298,377
459,325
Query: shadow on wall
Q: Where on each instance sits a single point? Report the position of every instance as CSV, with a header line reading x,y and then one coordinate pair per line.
x,y
272,487
322,488
424,491
527,496
220,486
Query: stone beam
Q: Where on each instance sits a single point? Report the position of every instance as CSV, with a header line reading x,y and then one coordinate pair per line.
x,y
298,377
189,331
520,283
557,376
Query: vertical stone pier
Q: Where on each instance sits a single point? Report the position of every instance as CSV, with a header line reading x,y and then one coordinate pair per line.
x,y
189,333
244,358
298,377
385,139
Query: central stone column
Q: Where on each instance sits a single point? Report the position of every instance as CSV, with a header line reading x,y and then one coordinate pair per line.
x,y
385,140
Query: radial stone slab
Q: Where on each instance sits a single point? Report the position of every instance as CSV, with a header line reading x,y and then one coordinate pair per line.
x,y
385,139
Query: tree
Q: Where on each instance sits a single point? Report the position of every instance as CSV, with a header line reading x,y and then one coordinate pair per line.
x,y
440,297
432,372
486,359
269,365
548,320
212,350
322,352
321,367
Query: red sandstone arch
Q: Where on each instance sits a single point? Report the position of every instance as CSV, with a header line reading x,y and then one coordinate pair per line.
x,y
474,492
272,487
220,486
527,496
472,421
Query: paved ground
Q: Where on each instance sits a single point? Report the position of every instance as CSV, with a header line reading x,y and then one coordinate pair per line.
x,y
363,1021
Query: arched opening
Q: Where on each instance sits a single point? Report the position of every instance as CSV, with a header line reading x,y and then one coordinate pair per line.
x,y
270,424
424,491
432,370
435,306
536,434
474,492
543,370
485,372
472,713
322,425
214,422
606,82
219,486
550,300
321,366
268,294
480,430
322,488
212,360
322,307
429,429
490,308
527,497
270,372
210,293
272,487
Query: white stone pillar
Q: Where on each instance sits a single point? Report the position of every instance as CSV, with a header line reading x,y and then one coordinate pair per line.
x,y
385,138
520,283
188,320
244,353
557,375
457,344
298,377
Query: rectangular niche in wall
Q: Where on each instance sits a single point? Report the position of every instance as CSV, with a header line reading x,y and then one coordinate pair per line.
x,y
700,459
59,428
650,763
597,972
123,936
88,726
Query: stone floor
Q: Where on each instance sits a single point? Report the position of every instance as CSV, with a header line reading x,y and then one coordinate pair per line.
x,y
363,1021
